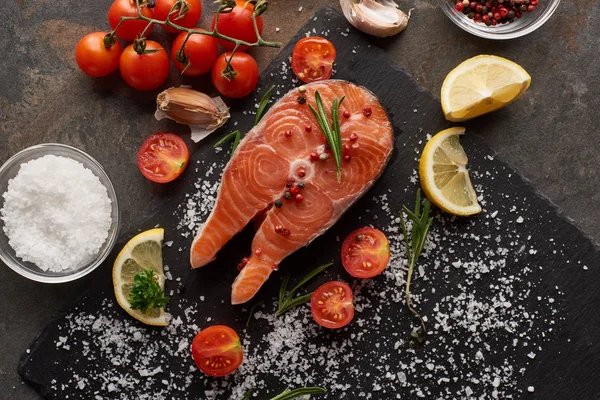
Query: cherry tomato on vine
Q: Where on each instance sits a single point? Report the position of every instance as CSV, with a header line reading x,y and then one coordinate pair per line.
x,y
189,20
163,157
145,71
129,30
331,305
94,58
217,350
312,59
246,75
365,252
238,25
201,52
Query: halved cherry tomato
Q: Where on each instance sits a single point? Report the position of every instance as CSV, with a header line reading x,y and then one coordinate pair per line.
x,y
365,252
312,59
331,305
189,20
94,58
238,25
129,30
145,71
217,350
200,51
163,157
246,75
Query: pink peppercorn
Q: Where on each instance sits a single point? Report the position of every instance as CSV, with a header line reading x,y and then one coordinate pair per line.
x,y
308,128
459,7
347,113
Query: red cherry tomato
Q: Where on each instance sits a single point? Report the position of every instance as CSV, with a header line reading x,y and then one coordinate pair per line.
x,y
331,305
189,20
163,157
145,71
201,51
94,58
246,77
129,30
217,350
312,59
238,25
365,252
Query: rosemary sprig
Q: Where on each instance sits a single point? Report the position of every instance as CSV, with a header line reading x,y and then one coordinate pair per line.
x,y
331,132
289,394
288,301
237,135
262,106
421,222
252,312
248,395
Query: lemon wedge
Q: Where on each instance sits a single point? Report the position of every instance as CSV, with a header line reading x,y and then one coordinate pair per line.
x,y
480,85
142,252
444,175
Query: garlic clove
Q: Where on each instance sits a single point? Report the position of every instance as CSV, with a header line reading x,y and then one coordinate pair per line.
x,y
380,18
189,107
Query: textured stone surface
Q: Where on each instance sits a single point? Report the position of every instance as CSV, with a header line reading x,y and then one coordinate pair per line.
x,y
44,98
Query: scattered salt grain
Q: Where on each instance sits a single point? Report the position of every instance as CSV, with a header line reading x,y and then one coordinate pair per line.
x,y
56,213
530,389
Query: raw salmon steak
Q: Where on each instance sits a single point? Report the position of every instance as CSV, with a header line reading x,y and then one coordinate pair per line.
x,y
276,172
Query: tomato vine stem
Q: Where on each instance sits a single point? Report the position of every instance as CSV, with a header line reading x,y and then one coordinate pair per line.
x,y
225,7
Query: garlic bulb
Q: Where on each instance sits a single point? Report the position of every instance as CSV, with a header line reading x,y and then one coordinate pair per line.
x,y
190,107
381,18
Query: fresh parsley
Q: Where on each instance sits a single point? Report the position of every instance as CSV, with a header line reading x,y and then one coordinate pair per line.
x,y
146,292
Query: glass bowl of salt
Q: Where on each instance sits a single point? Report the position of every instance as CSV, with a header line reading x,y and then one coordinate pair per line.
x,y
59,214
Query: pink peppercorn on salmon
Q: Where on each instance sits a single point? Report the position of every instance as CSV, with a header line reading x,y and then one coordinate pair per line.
x,y
283,171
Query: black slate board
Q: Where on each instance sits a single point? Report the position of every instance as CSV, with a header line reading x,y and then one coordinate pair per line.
x,y
541,264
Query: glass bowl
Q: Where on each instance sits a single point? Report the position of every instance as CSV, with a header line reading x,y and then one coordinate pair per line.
x,y
29,270
519,27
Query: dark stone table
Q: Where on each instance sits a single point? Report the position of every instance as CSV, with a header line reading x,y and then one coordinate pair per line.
x,y
45,98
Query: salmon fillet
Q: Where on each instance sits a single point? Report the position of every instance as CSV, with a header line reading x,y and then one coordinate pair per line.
x,y
278,148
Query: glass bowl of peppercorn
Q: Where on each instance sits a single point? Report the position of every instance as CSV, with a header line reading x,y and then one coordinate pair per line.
x,y
499,19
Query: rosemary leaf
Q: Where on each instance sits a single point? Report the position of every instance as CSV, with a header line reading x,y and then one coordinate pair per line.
x,y
331,132
252,312
289,301
264,101
248,395
288,394
307,278
294,303
421,222
226,138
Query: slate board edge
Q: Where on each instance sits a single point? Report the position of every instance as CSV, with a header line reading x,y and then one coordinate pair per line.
x,y
155,207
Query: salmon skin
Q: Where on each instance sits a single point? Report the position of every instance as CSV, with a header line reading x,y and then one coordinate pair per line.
x,y
279,148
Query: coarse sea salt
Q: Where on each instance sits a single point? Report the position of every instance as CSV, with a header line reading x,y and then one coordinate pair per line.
x,y
56,213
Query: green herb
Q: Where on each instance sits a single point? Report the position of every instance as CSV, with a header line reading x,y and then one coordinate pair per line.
x,y
421,222
288,301
264,101
252,312
146,292
289,394
331,132
248,395
237,135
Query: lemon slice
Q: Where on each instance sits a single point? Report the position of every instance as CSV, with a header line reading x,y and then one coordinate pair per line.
x,y
444,175
142,252
480,85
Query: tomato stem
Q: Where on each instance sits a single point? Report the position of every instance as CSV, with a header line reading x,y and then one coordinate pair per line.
x,y
225,7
